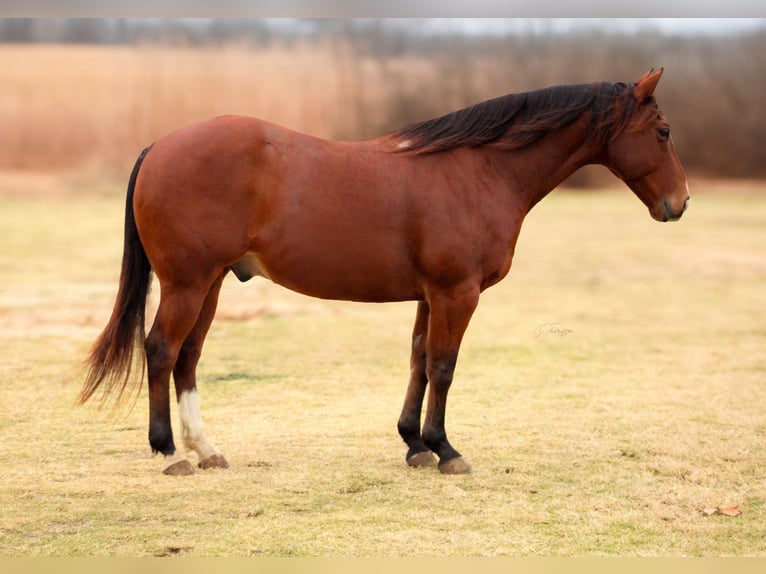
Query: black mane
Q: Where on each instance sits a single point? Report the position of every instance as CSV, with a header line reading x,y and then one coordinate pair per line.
x,y
516,120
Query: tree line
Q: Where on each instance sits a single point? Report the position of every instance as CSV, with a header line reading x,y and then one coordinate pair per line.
x,y
713,91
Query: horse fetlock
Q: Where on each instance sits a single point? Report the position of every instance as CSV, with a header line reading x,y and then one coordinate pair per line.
x,y
409,430
436,440
161,442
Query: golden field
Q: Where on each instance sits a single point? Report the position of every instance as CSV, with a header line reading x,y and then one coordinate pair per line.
x,y
611,440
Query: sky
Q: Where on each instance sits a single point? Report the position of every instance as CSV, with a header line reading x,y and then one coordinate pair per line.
x,y
711,26
376,8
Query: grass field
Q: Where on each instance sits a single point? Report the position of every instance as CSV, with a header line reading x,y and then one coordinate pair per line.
x,y
608,433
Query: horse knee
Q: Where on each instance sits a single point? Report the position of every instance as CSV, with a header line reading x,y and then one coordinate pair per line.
x,y
440,373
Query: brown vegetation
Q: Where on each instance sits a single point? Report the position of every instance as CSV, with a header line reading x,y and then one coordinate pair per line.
x,y
75,106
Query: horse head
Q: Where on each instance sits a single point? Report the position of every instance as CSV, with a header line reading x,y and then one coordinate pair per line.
x,y
644,157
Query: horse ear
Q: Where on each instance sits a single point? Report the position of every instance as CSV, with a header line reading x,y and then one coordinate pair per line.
x,y
645,86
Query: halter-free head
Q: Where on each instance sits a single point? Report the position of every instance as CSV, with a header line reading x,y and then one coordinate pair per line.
x,y
643,155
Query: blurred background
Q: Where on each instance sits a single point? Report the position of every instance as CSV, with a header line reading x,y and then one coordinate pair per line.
x,y
89,94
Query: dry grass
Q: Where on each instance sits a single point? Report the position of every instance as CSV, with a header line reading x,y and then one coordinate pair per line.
x,y
96,107
607,441
65,107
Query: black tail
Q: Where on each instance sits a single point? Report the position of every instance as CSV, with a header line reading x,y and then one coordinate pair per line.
x,y
111,359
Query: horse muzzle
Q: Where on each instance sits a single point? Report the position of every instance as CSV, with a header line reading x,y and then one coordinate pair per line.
x,y
669,212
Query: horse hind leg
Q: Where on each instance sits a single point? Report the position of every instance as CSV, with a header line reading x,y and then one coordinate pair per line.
x,y
177,314
184,375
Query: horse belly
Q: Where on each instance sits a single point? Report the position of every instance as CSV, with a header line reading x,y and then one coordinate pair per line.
x,y
352,272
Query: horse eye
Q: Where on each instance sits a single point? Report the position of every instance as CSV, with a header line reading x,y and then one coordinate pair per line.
x,y
664,133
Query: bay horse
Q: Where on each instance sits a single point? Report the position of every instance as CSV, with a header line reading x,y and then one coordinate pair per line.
x,y
429,213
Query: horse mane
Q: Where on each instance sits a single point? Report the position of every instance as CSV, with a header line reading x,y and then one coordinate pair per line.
x,y
517,120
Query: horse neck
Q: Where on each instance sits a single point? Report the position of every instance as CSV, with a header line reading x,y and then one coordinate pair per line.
x,y
533,171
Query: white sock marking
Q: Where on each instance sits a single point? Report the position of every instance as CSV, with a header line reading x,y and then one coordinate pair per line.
x,y
191,425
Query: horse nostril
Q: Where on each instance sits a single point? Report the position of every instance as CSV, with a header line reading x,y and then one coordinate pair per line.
x,y
686,203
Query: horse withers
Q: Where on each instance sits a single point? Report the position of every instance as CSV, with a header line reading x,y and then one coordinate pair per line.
x,y
429,213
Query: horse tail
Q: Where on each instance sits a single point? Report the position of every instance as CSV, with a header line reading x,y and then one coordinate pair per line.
x,y
111,359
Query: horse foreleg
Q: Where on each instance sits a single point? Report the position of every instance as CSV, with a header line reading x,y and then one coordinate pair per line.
x,y
184,375
451,310
418,453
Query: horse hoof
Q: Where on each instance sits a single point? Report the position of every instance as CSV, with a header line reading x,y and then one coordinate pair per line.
x,y
179,468
424,459
455,466
213,461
